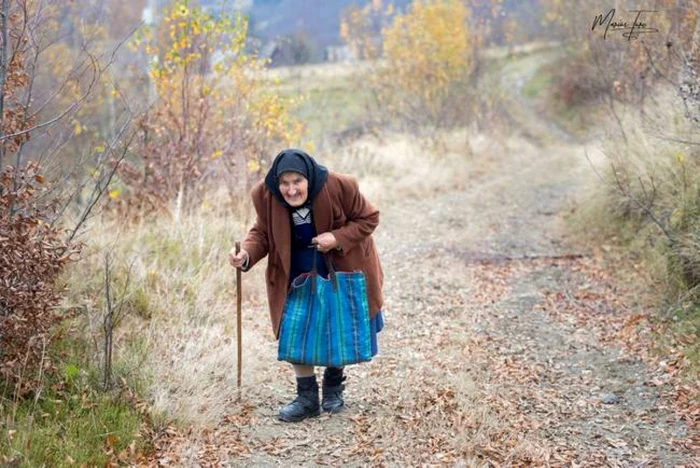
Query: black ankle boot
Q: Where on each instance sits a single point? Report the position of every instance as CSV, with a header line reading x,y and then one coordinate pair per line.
x,y
333,390
305,405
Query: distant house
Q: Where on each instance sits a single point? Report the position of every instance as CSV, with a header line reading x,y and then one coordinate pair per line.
x,y
296,49
339,53
271,50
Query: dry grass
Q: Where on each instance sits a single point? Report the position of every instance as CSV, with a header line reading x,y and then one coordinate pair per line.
x,y
179,304
652,173
402,166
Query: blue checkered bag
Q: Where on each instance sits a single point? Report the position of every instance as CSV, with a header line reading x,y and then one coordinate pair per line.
x,y
325,321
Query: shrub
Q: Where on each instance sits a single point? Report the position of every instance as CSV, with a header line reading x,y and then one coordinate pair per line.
x,y
427,59
576,83
34,244
651,204
618,70
33,255
211,122
427,51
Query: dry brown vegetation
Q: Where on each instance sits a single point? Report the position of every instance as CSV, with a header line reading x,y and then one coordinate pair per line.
x,y
646,89
34,255
34,250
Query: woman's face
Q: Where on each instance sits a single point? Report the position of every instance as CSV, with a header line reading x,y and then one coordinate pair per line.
x,y
294,188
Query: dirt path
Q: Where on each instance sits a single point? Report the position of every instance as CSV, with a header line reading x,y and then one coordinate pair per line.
x,y
497,348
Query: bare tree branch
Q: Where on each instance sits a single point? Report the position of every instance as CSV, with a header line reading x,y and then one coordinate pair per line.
x,y
678,140
620,187
114,313
102,184
107,325
97,70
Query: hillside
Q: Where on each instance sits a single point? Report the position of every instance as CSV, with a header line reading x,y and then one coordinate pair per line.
x,y
317,21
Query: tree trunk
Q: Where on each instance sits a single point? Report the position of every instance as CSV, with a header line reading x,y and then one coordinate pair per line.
x,y
4,67
690,77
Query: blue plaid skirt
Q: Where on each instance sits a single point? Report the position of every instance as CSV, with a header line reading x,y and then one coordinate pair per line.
x,y
376,324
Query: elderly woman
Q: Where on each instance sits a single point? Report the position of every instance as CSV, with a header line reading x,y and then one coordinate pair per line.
x,y
301,204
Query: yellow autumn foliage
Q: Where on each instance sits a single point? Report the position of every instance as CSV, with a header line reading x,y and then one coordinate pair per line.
x,y
425,53
212,122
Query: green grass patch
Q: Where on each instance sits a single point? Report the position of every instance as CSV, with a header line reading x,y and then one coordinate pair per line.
x,y
328,110
685,324
577,119
329,103
69,420
542,80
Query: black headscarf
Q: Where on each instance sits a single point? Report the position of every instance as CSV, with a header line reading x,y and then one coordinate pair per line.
x,y
296,161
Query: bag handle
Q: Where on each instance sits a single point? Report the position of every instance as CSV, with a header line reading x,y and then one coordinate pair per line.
x,y
329,266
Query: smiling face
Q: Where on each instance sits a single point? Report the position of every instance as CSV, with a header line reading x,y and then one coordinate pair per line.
x,y
294,188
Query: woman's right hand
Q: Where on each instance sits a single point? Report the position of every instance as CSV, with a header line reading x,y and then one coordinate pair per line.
x,y
237,260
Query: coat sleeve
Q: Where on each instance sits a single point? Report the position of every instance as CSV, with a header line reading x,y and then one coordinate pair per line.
x,y
256,242
362,217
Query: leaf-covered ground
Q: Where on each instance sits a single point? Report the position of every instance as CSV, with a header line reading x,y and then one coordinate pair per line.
x,y
507,343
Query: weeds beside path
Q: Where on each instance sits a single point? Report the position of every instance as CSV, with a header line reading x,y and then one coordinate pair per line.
x,y
502,344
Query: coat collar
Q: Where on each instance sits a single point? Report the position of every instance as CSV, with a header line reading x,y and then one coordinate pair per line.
x,y
281,228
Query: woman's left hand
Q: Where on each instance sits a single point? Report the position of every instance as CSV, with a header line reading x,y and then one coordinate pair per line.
x,y
325,242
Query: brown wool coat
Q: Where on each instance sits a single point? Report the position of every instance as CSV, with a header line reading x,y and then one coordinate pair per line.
x,y
338,208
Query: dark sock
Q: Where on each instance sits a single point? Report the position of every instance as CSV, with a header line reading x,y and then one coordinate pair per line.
x,y
306,384
333,376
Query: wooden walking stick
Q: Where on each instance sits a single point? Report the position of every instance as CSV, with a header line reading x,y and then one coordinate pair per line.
x,y
238,322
